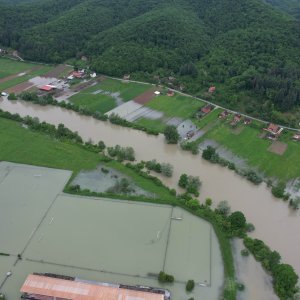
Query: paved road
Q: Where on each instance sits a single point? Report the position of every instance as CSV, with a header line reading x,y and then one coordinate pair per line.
x,y
208,102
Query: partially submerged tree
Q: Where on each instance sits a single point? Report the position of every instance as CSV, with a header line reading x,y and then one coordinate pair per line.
x,y
171,134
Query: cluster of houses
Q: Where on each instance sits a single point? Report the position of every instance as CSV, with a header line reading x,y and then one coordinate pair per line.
x,y
80,74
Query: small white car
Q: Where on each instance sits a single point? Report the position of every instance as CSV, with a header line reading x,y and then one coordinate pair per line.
x,y
4,94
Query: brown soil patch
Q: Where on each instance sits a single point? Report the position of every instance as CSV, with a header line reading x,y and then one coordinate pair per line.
x,y
57,71
278,148
19,88
145,97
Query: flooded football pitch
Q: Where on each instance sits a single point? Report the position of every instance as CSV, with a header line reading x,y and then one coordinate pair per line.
x,y
99,239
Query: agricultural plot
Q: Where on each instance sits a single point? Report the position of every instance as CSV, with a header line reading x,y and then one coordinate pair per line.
x,y
283,164
94,102
126,90
176,106
11,67
16,84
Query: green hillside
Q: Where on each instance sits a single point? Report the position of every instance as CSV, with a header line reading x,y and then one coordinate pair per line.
x,y
248,49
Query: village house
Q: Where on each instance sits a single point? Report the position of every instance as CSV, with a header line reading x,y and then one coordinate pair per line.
x,y
247,121
237,118
212,89
170,93
224,114
126,77
296,136
273,131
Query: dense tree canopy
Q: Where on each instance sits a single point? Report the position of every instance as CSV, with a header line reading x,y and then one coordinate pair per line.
x,y
247,48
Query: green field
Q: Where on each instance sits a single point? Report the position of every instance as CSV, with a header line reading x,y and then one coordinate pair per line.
x,y
10,83
101,103
249,146
10,67
20,145
176,106
156,125
127,90
207,120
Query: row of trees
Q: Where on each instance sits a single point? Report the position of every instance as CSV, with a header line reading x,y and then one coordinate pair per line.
x,y
284,276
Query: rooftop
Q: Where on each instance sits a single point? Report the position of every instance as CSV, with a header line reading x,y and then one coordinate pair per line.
x,y
77,290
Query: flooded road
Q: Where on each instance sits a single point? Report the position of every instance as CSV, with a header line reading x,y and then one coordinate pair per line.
x,y
275,223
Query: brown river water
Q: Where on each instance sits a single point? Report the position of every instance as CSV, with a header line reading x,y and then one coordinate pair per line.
x,y
276,224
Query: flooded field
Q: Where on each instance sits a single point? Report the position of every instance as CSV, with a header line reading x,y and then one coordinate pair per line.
x,y
258,284
100,239
105,180
275,223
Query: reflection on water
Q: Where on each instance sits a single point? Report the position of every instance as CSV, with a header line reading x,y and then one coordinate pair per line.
x,y
275,223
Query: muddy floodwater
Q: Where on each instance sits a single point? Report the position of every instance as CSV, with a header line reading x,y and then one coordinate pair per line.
x,y
100,239
275,223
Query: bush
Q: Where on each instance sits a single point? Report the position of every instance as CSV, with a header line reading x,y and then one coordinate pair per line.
x,y
244,252
167,169
223,208
250,227
171,134
209,153
278,190
237,220
190,285
253,177
240,286
183,181
165,278
121,153
295,203
12,96
101,146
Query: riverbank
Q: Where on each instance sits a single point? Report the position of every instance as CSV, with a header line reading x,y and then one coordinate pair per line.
x,y
12,135
217,183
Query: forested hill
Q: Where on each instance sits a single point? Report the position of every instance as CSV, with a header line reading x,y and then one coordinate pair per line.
x,y
247,48
292,7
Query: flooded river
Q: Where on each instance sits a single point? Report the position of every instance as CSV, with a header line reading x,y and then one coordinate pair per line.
x,y
275,223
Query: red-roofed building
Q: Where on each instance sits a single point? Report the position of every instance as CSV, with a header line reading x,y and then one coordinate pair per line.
x,y
212,89
77,74
47,88
296,137
274,131
207,109
37,287
170,93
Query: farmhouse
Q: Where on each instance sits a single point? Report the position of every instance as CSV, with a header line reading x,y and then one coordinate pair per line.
x,y
247,121
51,287
296,137
212,89
170,93
207,109
223,114
274,131
126,77
237,118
